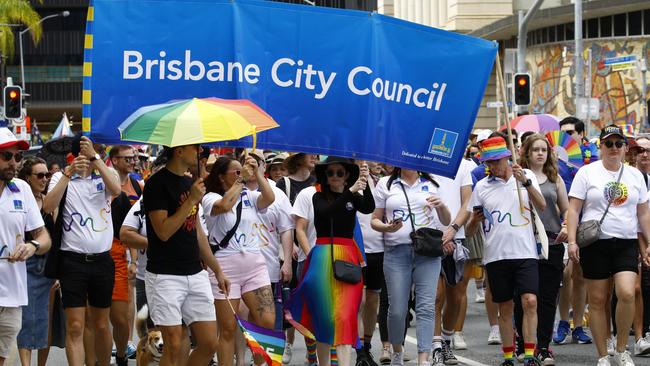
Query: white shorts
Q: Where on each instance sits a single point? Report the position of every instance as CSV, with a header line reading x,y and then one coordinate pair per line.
x,y
10,324
173,299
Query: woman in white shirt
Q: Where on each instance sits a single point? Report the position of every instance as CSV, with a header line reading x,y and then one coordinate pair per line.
x,y
615,254
402,266
240,257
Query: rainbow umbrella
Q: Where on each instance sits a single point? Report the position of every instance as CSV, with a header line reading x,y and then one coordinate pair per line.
x,y
566,147
195,121
534,122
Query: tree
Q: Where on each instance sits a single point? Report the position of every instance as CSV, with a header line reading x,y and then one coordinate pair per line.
x,y
17,12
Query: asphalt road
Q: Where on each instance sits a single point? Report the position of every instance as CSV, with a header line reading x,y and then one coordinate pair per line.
x,y
476,331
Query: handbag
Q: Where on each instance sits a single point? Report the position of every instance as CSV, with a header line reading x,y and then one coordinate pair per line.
x,y
426,241
343,271
589,231
540,234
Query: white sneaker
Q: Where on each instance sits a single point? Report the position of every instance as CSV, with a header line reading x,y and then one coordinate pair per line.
x,y
611,345
642,346
623,359
480,295
384,358
397,359
603,361
288,353
459,341
495,336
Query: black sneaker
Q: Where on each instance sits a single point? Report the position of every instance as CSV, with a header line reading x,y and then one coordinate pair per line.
x,y
438,359
362,358
121,361
532,362
545,357
507,363
448,355
371,360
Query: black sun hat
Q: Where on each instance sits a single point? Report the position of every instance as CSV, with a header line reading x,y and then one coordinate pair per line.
x,y
350,167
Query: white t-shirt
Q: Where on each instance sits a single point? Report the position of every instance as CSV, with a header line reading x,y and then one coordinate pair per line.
x,y
508,233
275,221
304,207
87,221
247,236
135,219
19,213
595,185
373,241
394,203
450,190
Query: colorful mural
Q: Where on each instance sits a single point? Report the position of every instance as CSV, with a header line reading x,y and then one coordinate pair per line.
x,y
619,92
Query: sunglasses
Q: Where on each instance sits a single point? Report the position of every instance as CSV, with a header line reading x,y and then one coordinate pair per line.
x,y
609,143
7,156
47,175
127,158
339,173
570,132
641,150
236,171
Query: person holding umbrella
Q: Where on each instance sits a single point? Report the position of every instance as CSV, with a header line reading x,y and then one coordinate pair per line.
x,y
178,288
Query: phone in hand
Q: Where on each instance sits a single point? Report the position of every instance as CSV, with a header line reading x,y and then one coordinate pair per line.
x,y
478,208
397,220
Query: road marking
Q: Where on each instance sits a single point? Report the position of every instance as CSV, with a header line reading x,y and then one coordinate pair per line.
x,y
462,359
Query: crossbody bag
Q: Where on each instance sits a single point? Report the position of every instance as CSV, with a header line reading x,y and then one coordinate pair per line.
x,y
426,241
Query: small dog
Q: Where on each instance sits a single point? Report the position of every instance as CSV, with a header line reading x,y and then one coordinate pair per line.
x,y
150,346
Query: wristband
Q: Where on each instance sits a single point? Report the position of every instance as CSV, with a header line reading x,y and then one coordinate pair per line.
x,y
455,227
66,175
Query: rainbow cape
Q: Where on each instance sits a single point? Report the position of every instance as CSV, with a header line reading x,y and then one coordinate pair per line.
x,y
267,343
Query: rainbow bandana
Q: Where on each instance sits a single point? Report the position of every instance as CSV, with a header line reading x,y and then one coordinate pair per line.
x,y
494,149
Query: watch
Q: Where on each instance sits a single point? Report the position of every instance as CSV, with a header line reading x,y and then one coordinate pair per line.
x,y
455,227
527,183
36,244
94,158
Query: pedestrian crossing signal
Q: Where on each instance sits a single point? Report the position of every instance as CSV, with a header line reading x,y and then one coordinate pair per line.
x,y
12,98
522,89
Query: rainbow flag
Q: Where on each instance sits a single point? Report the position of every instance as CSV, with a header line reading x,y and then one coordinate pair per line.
x,y
267,343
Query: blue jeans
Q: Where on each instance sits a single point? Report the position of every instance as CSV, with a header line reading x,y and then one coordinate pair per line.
x,y
404,269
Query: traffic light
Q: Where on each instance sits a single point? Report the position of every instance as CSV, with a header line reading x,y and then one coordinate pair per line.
x,y
522,89
12,98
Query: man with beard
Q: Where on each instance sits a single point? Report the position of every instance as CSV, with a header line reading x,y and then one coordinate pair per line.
x,y
20,215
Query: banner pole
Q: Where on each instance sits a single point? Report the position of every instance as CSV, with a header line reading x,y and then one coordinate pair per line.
x,y
513,151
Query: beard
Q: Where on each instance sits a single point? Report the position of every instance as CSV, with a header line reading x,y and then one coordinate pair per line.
x,y
7,174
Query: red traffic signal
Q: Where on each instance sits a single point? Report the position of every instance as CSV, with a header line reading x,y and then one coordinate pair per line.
x,y
522,89
12,98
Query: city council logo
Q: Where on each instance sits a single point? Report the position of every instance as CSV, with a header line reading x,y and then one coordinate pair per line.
x,y
443,142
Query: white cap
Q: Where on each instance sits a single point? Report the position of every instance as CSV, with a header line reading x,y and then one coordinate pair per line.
x,y
483,135
8,139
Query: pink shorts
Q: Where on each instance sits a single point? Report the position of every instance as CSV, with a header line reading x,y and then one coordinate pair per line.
x,y
246,272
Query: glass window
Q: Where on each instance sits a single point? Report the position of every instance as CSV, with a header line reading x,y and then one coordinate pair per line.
x,y
592,28
634,23
584,29
560,32
620,25
569,31
543,35
606,26
551,34
646,22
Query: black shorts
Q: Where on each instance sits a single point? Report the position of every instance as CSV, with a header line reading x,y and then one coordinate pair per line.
x,y
373,272
87,281
512,276
602,259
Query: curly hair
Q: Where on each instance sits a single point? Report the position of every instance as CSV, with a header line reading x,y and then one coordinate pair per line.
x,y
220,167
25,169
550,165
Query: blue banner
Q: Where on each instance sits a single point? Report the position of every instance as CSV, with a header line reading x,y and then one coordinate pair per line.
x,y
339,82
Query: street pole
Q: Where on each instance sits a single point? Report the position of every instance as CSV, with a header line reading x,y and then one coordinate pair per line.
x,y
522,37
64,14
579,61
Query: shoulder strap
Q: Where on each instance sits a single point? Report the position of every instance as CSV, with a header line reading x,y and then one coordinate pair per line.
x,y
136,186
408,204
57,235
287,187
224,242
609,203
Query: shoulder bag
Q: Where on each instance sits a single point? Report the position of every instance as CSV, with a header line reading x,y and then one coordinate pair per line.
x,y
53,263
426,241
226,239
343,271
589,231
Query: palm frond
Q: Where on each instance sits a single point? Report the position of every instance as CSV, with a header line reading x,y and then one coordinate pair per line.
x,y
17,11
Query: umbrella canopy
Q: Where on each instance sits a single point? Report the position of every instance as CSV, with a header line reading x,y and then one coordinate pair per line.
x,y
534,122
195,121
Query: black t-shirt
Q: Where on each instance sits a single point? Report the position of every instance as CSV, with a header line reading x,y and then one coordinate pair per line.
x,y
342,209
296,186
180,254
